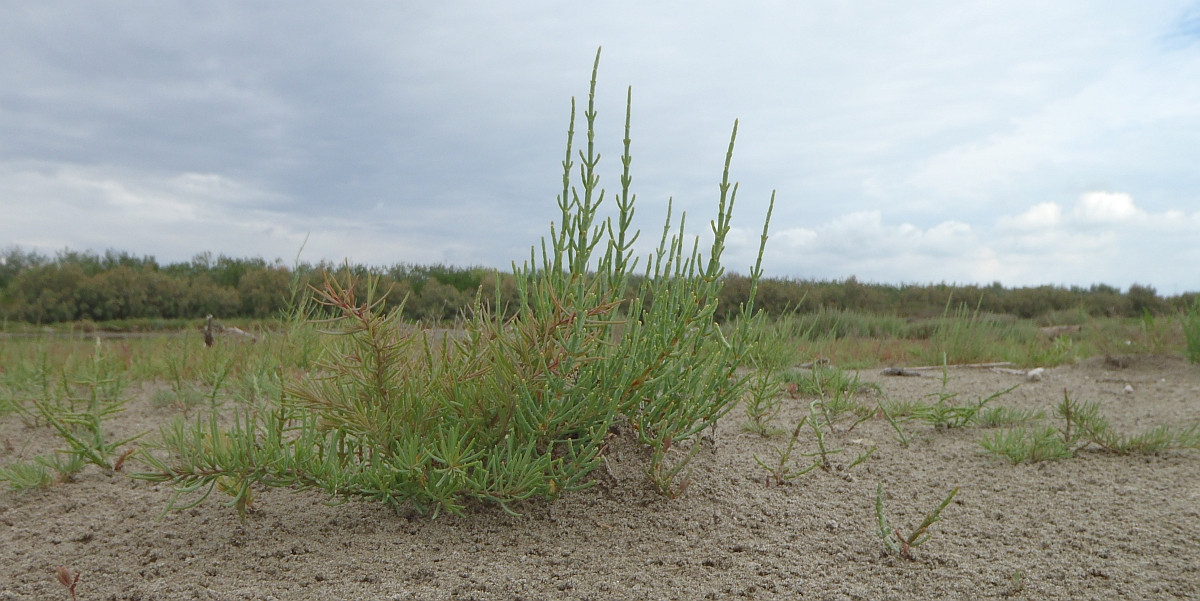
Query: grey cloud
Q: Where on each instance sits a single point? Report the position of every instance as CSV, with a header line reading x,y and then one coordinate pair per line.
x,y
435,130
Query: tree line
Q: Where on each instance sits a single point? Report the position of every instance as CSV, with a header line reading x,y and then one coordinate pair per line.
x,y
74,286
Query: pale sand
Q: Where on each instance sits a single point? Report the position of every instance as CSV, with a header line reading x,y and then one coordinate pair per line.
x,y
1095,527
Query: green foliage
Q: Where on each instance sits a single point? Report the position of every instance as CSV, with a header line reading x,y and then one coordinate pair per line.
x,y
75,405
826,381
1191,331
1084,426
26,475
966,336
762,403
992,417
78,417
513,406
945,412
775,342
1058,350
904,544
784,468
901,437
74,286
1029,445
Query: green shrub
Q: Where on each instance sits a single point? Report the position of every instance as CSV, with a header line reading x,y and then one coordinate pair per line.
x,y
1191,332
508,408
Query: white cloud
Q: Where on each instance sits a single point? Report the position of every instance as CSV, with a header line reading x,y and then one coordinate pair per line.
x,y
1105,207
865,245
1106,237
99,207
175,216
1136,106
1038,217
1043,244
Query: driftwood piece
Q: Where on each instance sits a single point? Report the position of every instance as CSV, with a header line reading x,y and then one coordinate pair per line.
x,y
1011,372
813,364
1056,331
962,366
239,332
901,371
916,371
1033,375
211,329
209,339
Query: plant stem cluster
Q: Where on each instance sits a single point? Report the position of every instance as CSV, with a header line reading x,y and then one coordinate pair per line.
x,y
521,401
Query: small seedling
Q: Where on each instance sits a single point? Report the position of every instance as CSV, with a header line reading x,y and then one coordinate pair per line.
x,y
863,457
899,543
762,404
819,434
70,581
783,471
1008,416
26,475
1083,426
671,478
944,413
1016,583
900,435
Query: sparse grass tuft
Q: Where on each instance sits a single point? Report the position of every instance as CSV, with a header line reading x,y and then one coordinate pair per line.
x,y
1084,426
26,475
826,381
946,413
76,409
762,403
784,468
1029,445
904,544
992,417
1191,331
900,434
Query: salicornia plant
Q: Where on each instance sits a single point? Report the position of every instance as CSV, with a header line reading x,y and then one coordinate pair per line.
x,y
903,544
76,410
504,409
1084,426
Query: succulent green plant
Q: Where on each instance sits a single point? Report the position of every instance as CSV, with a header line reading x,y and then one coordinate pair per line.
x,y
1084,426
507,408
903,544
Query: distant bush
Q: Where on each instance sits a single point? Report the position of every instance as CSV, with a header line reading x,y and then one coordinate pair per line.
x,y
114,286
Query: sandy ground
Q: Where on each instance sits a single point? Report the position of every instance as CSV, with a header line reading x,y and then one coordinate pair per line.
x,y
1094,527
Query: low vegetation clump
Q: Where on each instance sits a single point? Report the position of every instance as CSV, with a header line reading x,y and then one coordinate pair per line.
x,y
1084,426
510,407
76,406
1191,331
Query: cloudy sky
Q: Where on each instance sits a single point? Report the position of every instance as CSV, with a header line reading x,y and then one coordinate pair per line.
x,y
1025,142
